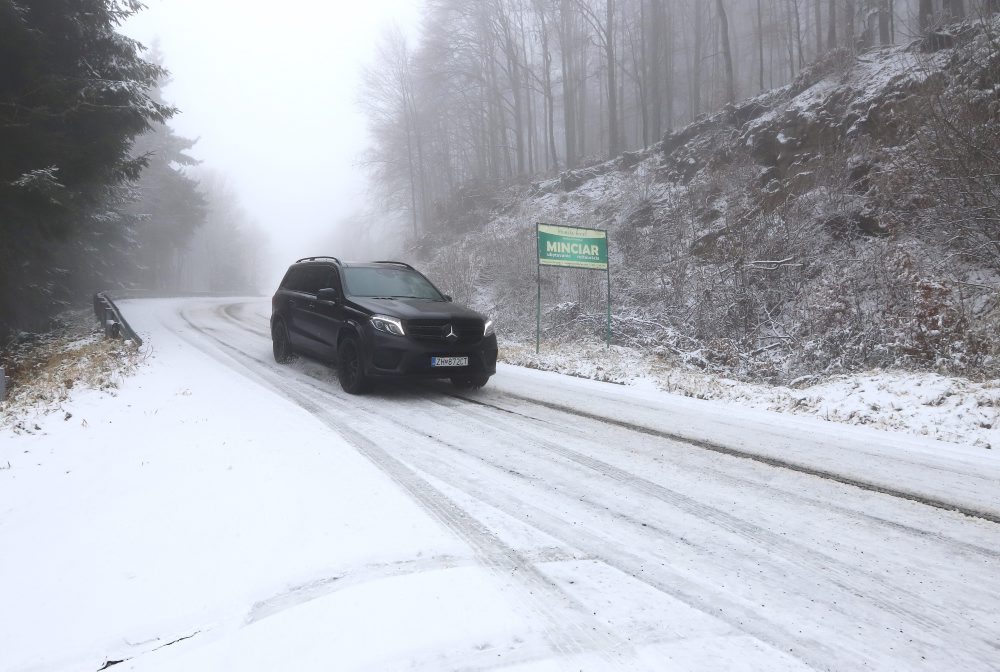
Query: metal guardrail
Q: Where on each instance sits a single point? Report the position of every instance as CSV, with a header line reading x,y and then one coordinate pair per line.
x,y
108,315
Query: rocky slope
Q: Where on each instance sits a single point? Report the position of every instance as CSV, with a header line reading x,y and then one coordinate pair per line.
x,y
847,221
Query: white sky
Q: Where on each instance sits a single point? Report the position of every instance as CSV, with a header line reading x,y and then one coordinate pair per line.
x,y
271,91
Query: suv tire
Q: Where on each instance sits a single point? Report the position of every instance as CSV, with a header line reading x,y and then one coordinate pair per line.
x,y
350,370
469,382
280,344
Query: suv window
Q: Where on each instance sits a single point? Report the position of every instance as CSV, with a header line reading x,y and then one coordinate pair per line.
x,y
390,282
311,279
292,278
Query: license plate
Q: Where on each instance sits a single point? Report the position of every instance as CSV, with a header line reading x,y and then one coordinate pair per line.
x,y
449,361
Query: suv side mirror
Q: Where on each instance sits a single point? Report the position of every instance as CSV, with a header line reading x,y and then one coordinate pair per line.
x,y
329,294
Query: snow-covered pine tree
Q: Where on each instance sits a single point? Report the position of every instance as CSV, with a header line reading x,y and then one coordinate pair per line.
x,y
74,93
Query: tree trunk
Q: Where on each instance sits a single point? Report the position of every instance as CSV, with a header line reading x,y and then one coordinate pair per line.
x,y
568,76
514,85
642,77
581,102
609,55
790,40
954,9
696,62
818,6
760,45
831,36
529,97
727,53
883,22
620,60
925,14
668,65
798,34
849,23
656,68
413,182
550,124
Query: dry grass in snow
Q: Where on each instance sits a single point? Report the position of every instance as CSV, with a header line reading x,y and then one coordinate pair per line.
x,y
46,368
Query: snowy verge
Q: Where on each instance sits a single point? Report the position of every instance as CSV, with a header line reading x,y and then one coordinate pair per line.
x,y
139,525
951,409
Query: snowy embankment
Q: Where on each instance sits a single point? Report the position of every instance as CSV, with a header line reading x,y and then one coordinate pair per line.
x,y
948,408
821,229
224,512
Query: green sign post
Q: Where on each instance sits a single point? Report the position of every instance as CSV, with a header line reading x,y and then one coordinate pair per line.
x,y
571,247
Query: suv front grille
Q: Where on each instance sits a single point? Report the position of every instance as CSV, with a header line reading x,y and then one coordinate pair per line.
x,y
436,331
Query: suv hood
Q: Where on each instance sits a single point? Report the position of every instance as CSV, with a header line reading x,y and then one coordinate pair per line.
x,y
416,309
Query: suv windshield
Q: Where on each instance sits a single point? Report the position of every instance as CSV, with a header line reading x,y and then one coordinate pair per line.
x,y
389,282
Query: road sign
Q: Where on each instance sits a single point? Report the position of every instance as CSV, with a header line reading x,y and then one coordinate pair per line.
x,y
572,247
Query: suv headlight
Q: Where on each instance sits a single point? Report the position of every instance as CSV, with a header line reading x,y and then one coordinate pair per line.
x,y
389,325
488,329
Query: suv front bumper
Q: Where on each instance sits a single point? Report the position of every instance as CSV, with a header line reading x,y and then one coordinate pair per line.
x,y
389,356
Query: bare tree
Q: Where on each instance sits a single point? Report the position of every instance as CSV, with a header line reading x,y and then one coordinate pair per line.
x,y
727,54
954,9
925,14
550,115
605,33
884,17
818,7
831,36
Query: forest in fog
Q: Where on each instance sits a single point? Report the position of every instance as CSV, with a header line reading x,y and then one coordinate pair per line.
x,y
751,160
96,189
497,90
790,188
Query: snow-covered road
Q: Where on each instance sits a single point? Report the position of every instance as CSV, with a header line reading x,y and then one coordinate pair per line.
x,y
552,523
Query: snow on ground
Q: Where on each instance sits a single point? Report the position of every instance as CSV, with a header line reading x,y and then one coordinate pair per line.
x,y
223,512
950,409
174,507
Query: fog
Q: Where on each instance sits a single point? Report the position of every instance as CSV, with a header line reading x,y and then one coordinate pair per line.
x,y
272,99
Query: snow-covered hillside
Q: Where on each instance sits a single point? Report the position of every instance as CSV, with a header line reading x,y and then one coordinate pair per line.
x,y
845,222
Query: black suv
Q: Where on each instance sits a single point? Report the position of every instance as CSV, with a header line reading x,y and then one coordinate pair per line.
x,y
381,319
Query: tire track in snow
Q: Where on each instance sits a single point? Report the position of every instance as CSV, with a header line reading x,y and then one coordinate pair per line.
x,y
879,488
768,488
570,629
757,457
745,620
682,589
554,526
852,581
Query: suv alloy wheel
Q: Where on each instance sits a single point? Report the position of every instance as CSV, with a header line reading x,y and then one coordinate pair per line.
x,y
279,343
349,368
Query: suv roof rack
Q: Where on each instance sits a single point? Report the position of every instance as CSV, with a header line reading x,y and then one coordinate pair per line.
x,y
318,257
398,263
